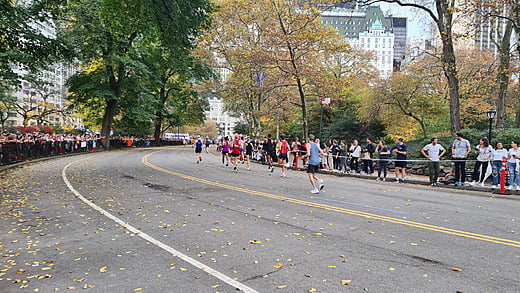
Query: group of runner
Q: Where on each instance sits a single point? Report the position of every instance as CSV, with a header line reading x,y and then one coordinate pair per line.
x,y
237,149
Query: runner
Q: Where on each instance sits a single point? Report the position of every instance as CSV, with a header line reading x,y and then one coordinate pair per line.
x,y
225,151
269,150
249,152
198,149
313,153
242,157
208,143
282,157
235,152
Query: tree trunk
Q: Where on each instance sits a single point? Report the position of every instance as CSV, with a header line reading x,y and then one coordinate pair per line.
x,y
503,77
444,24
159,116
108,118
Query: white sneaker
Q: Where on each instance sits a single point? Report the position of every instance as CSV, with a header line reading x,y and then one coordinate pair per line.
x,y
493,186
482,184
320,184
510,187
472,183
517,187
315,191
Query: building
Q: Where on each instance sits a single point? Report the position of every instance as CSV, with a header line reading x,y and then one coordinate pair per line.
x,y
368,28
43,102
225,123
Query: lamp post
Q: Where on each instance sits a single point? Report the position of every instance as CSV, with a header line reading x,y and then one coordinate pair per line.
x,y
491,115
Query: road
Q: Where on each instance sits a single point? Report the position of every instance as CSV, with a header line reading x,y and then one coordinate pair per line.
x,y
151,220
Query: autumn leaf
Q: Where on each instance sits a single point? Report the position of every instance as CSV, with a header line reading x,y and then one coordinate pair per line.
x,y
278,266
255,241
282,286
103,269
346,282
456,270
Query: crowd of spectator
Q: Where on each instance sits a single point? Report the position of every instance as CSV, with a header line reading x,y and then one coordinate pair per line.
x,y
17,147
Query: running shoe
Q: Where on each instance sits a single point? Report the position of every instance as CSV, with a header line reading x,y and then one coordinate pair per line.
x,y
401,181
282,175
315,191
517,187
397,180
227,164
197,162
457,183
378,179
320,184
235,169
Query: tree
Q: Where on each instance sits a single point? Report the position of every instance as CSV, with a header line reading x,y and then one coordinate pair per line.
x,y
7,105
441,12
500,15
21,43
273,48
110,36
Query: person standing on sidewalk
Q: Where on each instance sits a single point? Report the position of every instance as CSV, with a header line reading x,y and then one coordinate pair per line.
x,y
343,156
514,165
355,154
460,151
499,154
484,152
313,154
382,164
435,152
369,151
400,164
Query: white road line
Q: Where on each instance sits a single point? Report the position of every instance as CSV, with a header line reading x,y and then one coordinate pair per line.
x,y
150,239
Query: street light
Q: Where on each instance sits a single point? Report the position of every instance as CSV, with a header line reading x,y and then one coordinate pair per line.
x,y
491,115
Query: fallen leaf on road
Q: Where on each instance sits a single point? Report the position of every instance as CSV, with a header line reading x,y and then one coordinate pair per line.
x,y
103,269
456,269
346,282
282,286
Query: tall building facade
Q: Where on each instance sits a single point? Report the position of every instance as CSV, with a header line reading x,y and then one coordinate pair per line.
x,y
45,99
367,27
225,122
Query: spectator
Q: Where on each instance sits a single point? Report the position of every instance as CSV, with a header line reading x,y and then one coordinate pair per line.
x,y
335,151
343,156
369,150
514,165
355,154
400,164
435,152
384,156
459,152
499,154
484,152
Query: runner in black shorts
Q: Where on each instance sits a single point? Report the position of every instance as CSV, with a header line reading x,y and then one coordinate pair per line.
x,y
249,152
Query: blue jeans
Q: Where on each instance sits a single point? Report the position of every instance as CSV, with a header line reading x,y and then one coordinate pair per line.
x,y
512,174
497,168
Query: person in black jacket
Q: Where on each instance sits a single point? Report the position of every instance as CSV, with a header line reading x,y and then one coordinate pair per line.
x,y
368,151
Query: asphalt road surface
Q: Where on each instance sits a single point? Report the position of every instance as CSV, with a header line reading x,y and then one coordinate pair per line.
x,y
151,220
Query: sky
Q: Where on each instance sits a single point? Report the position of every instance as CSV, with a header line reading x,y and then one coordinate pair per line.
x,y
417,20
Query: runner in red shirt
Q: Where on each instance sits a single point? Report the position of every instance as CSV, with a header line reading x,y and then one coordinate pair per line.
x,y
282,156
235,152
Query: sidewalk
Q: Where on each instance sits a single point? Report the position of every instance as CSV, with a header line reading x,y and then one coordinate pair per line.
x,y
417,180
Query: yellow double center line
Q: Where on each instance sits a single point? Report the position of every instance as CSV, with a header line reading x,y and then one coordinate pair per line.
x,y
338,209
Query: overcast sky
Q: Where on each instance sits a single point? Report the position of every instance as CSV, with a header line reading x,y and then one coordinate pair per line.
x,y
417,20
